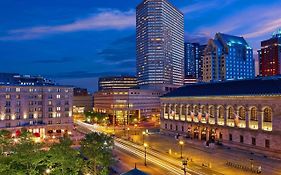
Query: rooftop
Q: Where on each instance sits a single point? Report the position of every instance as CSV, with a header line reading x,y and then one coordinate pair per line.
x,y
135,171
258,86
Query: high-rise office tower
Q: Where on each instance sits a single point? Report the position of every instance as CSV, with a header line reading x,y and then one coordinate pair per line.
x,y
228,57
160,45
270,55
193,61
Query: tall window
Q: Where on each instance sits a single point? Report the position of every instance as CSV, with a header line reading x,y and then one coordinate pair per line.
x,y
253,115
196,109
267,115
242,113
212,111
230,112
189,109
204,110
221,112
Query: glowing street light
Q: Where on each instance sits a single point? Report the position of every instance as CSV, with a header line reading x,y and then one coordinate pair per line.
x,y
181,145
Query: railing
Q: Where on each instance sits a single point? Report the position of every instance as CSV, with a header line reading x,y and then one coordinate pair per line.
x,y
254,124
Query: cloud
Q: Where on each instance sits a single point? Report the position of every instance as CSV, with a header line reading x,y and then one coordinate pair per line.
x,y
248,23
106,19
201,38
268,27
121,51
202,6
55,61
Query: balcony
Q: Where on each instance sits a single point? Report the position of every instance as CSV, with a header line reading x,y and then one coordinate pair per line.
x,y
212,121
267,126
177,117
242,124
230,122
221,121
254,125
182,117
188,118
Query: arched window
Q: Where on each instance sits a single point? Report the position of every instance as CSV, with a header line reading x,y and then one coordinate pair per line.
x,y
204,110
221,112
253,114
230,112
212,111
189,109
267,115
196,110
242,113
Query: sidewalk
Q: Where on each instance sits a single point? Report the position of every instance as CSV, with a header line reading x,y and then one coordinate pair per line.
x,y
216,156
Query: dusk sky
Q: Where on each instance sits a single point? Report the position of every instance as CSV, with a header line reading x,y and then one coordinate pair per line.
x,y
76,41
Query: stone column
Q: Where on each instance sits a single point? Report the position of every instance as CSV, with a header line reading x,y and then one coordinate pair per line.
x,y
247,119
225,116
260,114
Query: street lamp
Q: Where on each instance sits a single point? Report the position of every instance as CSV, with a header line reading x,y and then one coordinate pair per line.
x,y
128,129
143,134
145,146
181,145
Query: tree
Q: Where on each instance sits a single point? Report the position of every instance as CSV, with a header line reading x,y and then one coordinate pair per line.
x,y
97,148
62,159
4,139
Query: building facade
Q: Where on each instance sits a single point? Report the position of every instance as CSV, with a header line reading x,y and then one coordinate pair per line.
x,y
193,61
241,113
117,82
270,55
228,57
82,101
160,45
124,105
42,109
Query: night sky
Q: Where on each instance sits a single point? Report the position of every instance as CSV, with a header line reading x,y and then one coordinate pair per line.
x,y
76,41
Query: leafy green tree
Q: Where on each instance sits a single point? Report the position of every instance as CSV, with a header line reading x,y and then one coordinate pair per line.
x,y
4,139
97,148
62,159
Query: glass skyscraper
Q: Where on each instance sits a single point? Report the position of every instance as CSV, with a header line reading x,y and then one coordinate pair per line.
x,y
160,44
228,57
193,60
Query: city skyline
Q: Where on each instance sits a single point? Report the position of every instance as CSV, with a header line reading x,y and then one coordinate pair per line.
x,y
35,41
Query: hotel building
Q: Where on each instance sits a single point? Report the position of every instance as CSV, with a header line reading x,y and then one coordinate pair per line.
x,y
240,113
270,55
82,101
117,82
124,105
193,62
41,107
228,57
160,45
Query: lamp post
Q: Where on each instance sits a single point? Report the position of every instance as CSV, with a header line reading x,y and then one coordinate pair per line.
x,y
143,134
145,146
128,129
181,145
